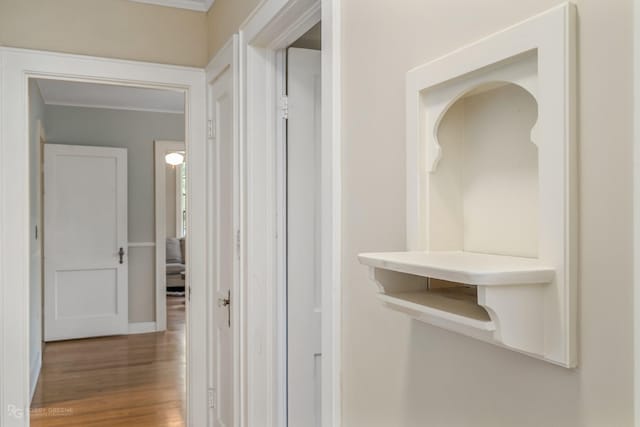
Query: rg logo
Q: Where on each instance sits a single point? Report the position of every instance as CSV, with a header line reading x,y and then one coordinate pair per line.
x,y
15,412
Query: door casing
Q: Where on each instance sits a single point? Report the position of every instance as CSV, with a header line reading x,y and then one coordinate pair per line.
x,y
16,67
271,28
225,61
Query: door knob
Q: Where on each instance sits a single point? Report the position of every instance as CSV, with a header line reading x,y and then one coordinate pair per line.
x,y
223,302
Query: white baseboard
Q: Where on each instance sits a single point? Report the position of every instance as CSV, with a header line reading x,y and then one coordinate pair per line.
x,y
142,327
34,374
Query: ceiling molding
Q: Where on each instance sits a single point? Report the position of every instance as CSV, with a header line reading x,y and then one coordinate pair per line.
x,y
93,95
110,107
197,5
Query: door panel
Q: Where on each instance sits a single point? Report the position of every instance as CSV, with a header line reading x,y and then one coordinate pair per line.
x,y
303,237
222,113
85,210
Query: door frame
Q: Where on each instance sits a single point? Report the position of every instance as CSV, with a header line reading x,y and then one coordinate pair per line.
x,y
160,149
226,60
16,67
272,27
636,211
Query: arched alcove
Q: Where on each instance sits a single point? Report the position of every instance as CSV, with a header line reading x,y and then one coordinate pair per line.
x,y
483,195
491,192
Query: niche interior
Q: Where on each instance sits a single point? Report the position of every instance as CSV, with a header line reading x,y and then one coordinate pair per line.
x,y
491,219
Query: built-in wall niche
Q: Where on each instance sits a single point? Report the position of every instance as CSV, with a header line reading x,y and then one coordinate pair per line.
x,y
483,189
491,192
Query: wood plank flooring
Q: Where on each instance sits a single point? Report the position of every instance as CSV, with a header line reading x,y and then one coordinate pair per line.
x,y
133,380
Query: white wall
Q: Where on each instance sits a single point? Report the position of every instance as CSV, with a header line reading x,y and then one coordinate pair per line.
x,y
135,131
398,372
36,116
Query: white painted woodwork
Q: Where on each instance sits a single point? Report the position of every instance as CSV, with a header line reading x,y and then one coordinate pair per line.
x,y
142,244
464,267
100,95
85,210
197,5
491,190
161,149
304,304
222,105
273,26
18,66
142,327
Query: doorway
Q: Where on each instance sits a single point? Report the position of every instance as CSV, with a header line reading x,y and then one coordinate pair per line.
x,y
170,226
303,227
19,66
105,355
273,28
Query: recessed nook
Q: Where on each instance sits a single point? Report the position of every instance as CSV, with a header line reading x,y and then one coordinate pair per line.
x,y
484,183
491,192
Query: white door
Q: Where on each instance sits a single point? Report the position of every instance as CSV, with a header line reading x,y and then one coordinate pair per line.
x,y
85,236
303,239
221,110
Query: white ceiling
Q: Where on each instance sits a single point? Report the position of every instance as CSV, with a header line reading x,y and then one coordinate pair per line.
x,y
199,5
57,92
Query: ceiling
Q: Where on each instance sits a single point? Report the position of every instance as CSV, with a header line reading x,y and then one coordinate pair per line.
x,y
92,95
199,5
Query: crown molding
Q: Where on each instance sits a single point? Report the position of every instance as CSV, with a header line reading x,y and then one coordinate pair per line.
x,y
197,5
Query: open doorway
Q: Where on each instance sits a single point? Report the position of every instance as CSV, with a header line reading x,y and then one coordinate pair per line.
x,y
303,229
97,348
171,227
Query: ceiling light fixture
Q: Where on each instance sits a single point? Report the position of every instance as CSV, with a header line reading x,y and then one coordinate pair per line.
x,y
174,159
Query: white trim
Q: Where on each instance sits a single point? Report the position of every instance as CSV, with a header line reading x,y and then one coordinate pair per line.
x,y
111,107
332,216
17,65
227,59
271,27
141,244
636,211
199,6
282,354
34,372
178,197
162,148
142,327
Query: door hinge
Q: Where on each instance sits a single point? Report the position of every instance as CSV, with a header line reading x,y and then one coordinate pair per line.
x,y
238,243
284,106
211,397
189,293
211,129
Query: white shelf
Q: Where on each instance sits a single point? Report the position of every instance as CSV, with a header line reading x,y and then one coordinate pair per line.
x,y
430,306
463,267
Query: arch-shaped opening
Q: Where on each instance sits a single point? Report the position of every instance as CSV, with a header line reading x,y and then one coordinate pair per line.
x,y
483,194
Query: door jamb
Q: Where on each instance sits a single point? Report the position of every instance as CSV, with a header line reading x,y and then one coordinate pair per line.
x,y
274,25
636,210
16,67
161,149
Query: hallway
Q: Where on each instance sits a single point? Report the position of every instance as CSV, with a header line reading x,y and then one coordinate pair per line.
x,y
130,380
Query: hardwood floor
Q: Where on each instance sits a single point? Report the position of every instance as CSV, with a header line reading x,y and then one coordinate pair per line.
x,y
134,380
